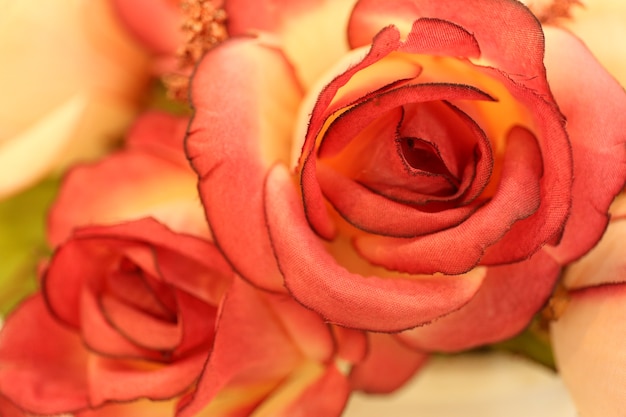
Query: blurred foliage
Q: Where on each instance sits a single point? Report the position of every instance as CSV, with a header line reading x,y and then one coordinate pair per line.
x,y
533,343
23,242
160,100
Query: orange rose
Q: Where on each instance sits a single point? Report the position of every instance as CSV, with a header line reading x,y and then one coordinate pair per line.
x,y
70,80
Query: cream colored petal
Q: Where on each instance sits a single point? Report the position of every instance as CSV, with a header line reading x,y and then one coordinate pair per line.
x,y
605,264
62,61
589,344
27,156
472,385
602,25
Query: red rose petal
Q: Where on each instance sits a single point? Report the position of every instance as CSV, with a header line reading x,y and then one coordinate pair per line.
x,y
351,344
125,380
244,122
100,334
594,105
198,323
140,327
247,328
508,34
358,118
316,280
502,307
517,197
43,364
132,409
374,213
439,37
387,366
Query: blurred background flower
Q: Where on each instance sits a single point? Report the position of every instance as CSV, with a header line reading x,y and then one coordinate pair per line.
x,y
589,338
71,79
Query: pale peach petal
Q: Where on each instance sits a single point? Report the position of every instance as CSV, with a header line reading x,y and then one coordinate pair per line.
x,y
588,342
601,24
52,53
311,32
605,264
41,145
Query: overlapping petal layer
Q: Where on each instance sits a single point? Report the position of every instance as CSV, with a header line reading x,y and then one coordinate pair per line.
x,y
232,154
155,144
277,377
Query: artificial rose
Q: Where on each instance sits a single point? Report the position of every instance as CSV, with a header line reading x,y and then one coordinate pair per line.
x,y
405,163
150,176
134,311
589,337
71,79
125,312
270,357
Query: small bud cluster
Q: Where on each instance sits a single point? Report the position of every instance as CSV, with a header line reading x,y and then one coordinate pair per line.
x,y
204,26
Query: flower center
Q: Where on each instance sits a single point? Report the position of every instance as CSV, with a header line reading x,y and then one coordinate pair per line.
x,y
421,155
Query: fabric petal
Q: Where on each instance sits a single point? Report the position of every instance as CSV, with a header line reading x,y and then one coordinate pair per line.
x,y
588,341
502,307
594,124
325,395
352,300
132,409
387,366
246,328
513,44
125,380
605,264
244,122
132,188
8,409
517,197
43,364
351,344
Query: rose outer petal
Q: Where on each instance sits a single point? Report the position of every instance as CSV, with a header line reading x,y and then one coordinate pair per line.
x,y
252,351
43,365
513,44
317,281
594,105
242,125
311,32
502,307
155,144
387,366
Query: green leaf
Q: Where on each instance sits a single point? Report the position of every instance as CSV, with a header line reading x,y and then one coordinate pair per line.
x,y
22,241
